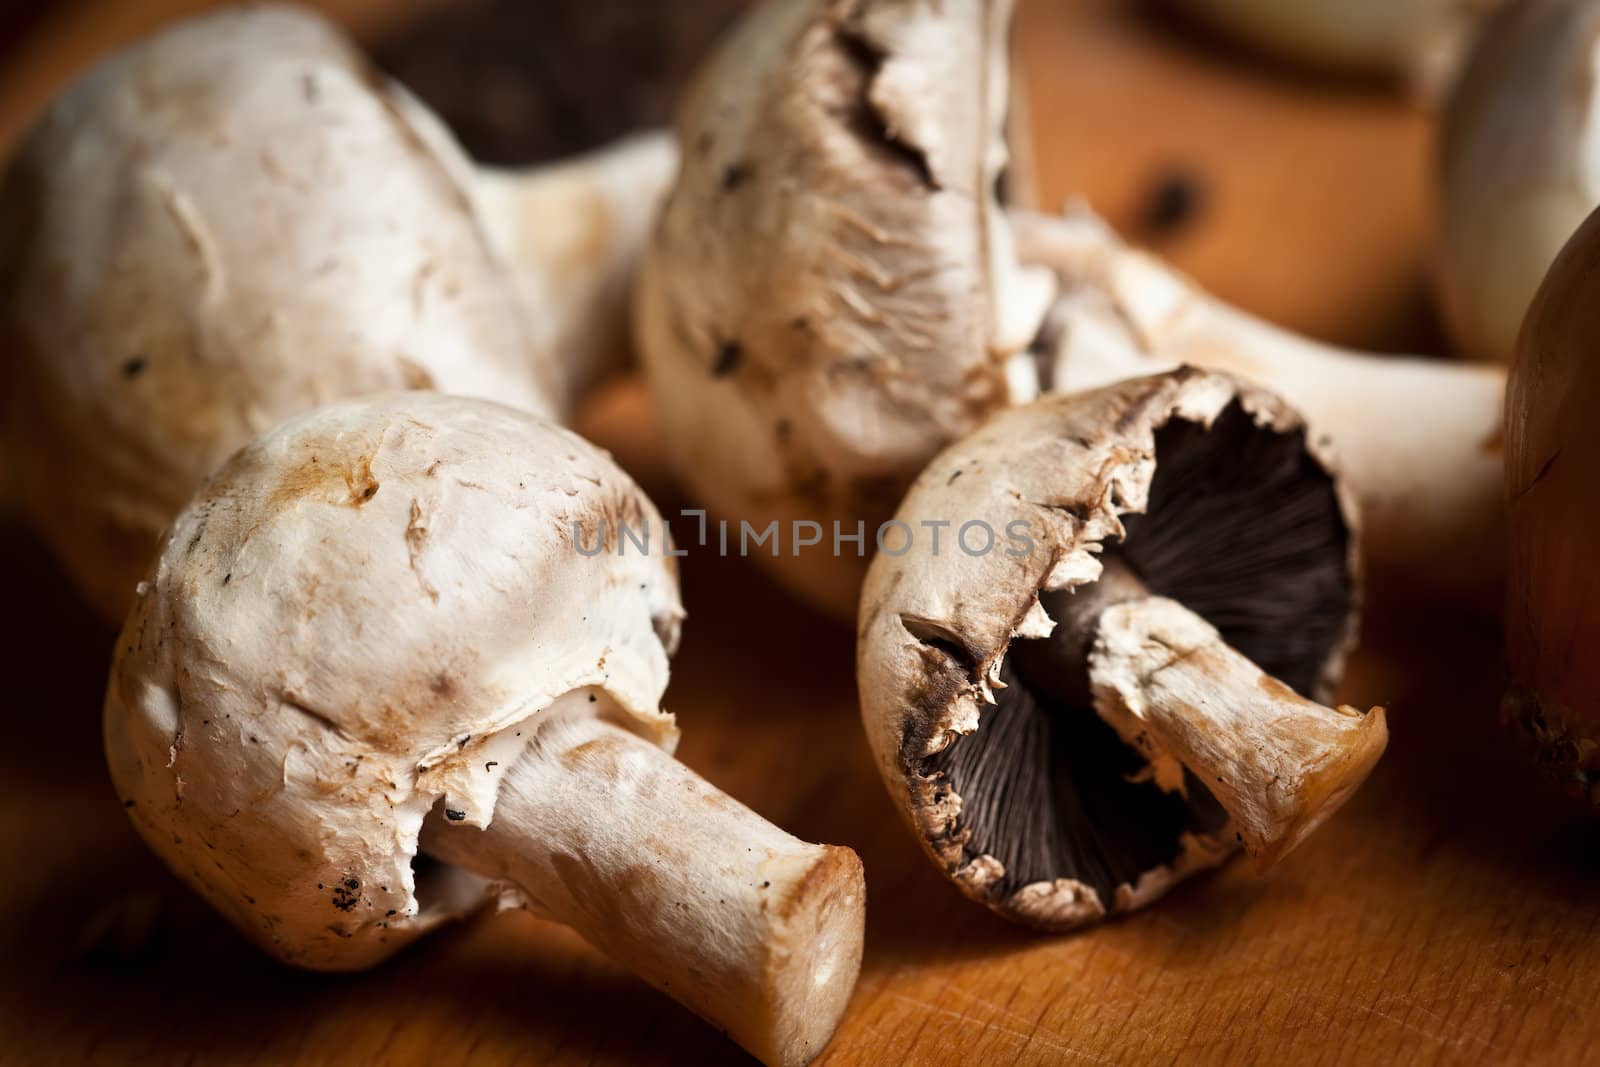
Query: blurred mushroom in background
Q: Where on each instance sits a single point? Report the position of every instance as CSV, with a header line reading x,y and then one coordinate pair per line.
x,y
1519,166
1419,41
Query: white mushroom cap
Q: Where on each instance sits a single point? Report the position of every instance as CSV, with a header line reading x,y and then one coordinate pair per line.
x,y
1519,169
830,297
239,219
359,616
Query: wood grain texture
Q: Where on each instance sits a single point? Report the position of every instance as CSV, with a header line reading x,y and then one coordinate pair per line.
x,y
1447,915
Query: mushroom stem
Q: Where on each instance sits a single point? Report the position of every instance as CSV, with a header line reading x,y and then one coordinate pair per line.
x,y
571,234
1418,440
754,930
1172,688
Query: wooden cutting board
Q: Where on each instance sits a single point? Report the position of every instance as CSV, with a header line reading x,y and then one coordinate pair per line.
x,y
1447,915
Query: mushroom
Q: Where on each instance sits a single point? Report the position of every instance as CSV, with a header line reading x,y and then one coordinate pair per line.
x,y
1419,40
236,220
1109,697
1519,168
1418,440
392,618
828,300
1552,441
835,293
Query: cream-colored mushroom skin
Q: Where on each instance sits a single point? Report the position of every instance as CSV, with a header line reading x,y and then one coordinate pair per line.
x,y
1064,731
1519,166
238,219
220,227
354,618
421,609
830,297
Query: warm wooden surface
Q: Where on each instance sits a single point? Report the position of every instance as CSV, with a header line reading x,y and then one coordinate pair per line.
x,y
1448,915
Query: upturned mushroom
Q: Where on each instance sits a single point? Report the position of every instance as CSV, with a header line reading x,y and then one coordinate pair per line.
x,y
1420,41
835,293
1114,693
237,219
390,620
1519,166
